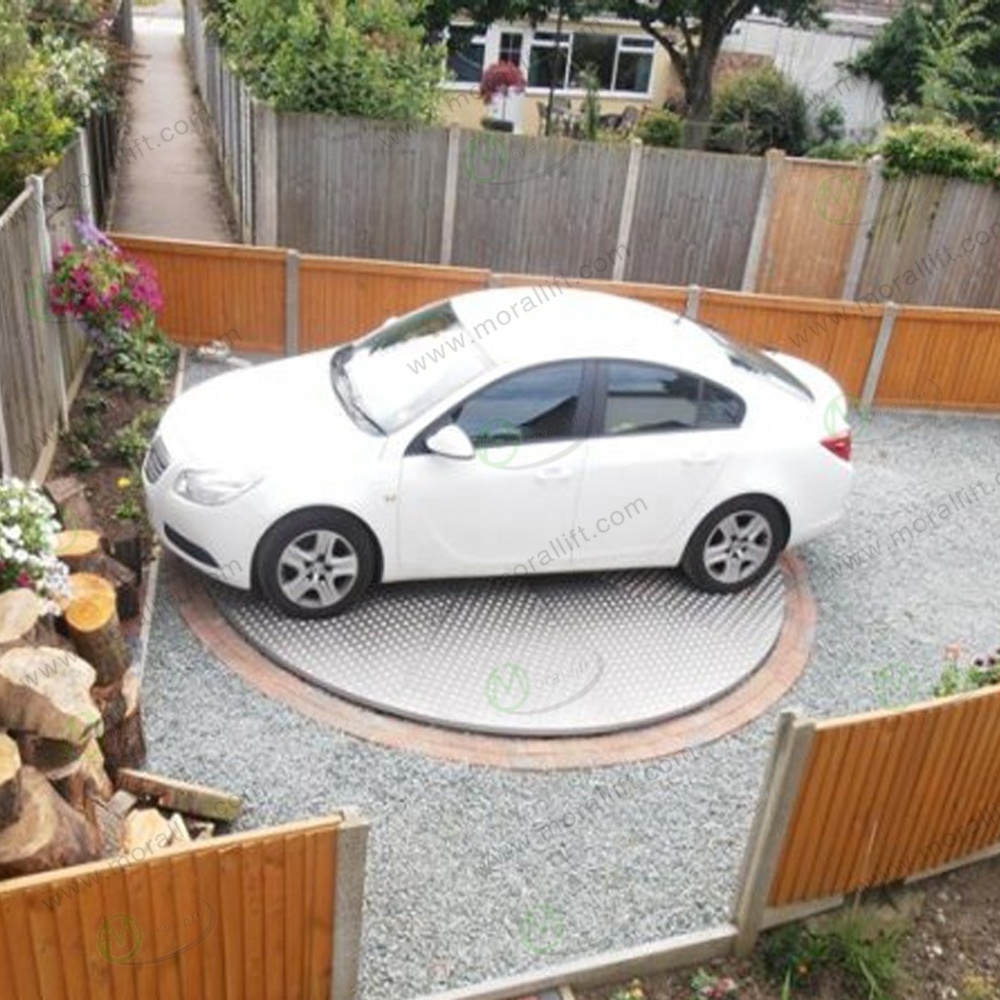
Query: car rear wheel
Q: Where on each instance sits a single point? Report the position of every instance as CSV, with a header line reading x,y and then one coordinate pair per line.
x,y
736,545
316,564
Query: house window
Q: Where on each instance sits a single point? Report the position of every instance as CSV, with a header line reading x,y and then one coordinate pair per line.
x,y
466,49
623,63
548,61
511,43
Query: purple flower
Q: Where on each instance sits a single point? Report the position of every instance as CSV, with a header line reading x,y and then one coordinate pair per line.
x,y
92,236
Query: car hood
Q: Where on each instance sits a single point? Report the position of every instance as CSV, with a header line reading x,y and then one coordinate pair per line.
x,y
264,417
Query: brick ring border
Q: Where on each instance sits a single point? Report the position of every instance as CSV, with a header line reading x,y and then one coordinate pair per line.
x,y
772,679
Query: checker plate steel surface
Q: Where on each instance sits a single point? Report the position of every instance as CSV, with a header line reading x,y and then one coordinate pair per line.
x,y
547,656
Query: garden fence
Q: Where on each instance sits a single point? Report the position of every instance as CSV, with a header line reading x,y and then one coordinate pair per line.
x,y
776,225
252,916
281,302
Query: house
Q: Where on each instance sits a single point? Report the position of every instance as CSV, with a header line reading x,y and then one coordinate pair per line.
x,y
634,70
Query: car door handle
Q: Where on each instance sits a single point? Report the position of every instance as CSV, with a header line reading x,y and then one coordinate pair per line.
x,y
554,472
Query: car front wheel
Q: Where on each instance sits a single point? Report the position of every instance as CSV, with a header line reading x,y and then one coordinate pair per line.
x,y
736,545
316,564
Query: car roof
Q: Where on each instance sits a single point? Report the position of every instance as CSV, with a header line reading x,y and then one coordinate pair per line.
x,y
537,323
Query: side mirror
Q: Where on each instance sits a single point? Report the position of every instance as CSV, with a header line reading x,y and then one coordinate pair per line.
x,y
451,442
391,319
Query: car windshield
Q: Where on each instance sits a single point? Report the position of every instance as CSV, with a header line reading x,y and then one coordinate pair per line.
x,y
752,360
398,372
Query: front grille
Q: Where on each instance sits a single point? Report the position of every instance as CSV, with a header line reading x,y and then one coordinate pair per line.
x,y
157,461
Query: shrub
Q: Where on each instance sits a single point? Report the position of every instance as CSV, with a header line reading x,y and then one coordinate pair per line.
x,y
757,111
360,57
661,128
28,527
936,148
839,150
75,76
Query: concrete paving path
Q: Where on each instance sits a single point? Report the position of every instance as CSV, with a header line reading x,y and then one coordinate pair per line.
x,y
168,183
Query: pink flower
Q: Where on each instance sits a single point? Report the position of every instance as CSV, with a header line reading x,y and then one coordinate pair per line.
x,y
23,580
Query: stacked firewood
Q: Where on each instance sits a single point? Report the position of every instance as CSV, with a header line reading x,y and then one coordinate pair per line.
x,y
71,733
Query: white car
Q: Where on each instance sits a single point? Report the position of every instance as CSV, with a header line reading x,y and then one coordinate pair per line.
x,y
504,432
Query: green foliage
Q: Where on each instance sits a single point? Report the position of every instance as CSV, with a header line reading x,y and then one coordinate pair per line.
x,y
865,956
591,103
956,679
75,75
348,57
138,362
28,527
840,149
894,56
81,455
946,150
830,123
759,111
708,986
975,987
661,128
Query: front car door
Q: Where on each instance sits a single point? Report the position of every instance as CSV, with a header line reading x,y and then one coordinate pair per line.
x,y
508,509
660,446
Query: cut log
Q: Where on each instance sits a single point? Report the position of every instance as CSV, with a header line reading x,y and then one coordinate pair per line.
x,y
20,612
126,547
146,831
179,829
97,784
70,497
122,803
70,782
112,828
48,755
92,619
193,800
10,781
48,834
46,691
80,549
126,585
124,745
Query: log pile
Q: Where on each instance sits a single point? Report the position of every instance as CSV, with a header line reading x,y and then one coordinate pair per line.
x,y
71,720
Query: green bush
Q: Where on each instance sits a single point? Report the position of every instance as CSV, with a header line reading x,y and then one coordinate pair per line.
x,y
661,128
759,111
839,149
946,150
363,58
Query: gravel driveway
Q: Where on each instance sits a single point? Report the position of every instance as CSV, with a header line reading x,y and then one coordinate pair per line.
x,y
475,872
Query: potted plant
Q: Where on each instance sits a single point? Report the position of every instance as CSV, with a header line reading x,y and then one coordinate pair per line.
x,y
500,81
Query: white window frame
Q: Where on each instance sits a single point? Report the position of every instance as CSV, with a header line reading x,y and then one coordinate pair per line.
x,y
484,39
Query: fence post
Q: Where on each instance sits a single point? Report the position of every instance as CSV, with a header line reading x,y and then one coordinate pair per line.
x,y
872,199
265,181
774,162
693,302
628,206
292,301
348,904
778,795
85,179
878,353
450,194
37,185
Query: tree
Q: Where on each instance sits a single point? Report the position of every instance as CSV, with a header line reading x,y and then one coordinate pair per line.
x,y
691,31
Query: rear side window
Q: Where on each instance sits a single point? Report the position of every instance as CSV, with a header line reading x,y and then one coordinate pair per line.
x,y
642,398
751,360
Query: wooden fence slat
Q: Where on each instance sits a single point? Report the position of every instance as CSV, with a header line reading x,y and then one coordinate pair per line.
x,y
295,893
276,902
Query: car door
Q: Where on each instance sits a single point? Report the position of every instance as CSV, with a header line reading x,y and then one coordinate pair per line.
x,y
507,509
662,441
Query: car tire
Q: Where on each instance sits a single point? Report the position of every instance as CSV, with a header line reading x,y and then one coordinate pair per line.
x,y
316,563
736,545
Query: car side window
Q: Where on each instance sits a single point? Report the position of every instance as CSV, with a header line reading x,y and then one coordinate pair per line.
x,y
649,398
539,404
644,398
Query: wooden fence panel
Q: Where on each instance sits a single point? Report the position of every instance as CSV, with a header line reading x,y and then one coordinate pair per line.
x,y
236,917
943,358
814,223
342,299
218,291
359,188
889,795
837,336
694,217
537,205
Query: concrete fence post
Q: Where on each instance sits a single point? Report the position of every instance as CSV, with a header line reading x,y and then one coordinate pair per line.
x,y
85,178
265,211
348,905
774,163
450,194
37,185
874,186
628,206
292,302
778,796
879,352
693,303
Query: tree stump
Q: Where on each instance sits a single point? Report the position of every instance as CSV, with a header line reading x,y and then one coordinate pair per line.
x,y
126,546
48,833
20,613
70,497
124,745
80,549
10,781
92,619
46,691
126,585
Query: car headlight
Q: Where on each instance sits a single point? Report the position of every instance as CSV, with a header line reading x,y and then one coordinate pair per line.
x,y
210,488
